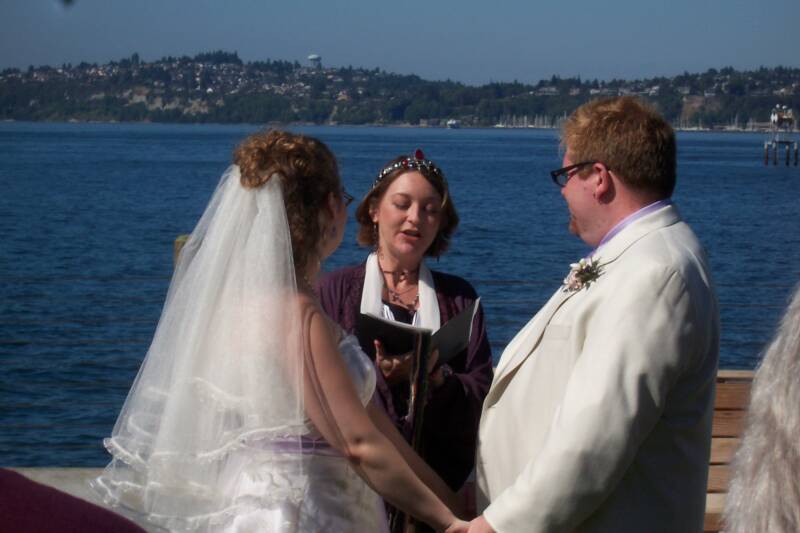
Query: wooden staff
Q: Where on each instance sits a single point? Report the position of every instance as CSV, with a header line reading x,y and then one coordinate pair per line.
x,y
405,523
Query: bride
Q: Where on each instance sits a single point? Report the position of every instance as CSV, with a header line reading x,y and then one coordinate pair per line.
x,y
252,410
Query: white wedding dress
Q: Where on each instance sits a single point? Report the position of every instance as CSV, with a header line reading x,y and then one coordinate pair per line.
x,y
336,499
214,434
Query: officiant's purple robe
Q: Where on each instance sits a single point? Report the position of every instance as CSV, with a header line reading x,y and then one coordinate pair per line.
x,y
453,410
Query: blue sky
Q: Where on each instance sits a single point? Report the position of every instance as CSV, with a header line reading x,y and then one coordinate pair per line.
x,y
469,40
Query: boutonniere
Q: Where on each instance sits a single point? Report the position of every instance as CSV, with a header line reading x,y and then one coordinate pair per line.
x,y
582,274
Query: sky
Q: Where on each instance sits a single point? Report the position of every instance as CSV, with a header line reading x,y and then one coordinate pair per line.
x,y
471,41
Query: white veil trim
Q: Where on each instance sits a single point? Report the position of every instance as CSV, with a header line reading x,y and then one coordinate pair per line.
x,y
427,316
222,381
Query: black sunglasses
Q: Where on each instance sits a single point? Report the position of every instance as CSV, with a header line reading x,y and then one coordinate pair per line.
x,y
562,175
347,198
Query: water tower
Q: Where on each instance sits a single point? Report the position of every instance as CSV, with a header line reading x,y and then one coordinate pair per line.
x,y
316,61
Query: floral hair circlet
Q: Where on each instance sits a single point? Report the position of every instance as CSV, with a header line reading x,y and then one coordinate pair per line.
x,y
415,162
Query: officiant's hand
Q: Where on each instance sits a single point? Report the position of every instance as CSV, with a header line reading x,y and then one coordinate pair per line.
x,y
438,375
466,496
395,368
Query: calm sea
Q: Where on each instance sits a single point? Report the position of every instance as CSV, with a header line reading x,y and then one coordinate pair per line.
x,y
88,215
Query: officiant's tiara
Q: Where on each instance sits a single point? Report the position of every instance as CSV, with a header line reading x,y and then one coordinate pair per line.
x,y
415,162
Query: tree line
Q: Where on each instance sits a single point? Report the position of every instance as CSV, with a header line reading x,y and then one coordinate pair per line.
x,y
219,87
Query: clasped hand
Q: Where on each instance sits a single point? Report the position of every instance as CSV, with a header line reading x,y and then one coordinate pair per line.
x,y
478,525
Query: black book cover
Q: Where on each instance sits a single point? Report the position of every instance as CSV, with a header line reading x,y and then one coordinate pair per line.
x,y
399,338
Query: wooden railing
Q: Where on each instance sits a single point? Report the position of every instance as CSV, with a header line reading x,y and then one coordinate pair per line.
x,y
730,409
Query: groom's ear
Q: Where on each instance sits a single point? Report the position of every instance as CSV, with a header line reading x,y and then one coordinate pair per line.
x,y
603,183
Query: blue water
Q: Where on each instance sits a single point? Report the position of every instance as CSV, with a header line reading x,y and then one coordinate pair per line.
x,y
89,212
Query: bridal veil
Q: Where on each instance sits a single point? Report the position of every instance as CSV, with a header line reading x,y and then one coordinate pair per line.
x,y
223,375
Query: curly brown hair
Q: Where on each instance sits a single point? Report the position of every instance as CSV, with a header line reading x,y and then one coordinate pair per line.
x,y
630,137
366,234
309,174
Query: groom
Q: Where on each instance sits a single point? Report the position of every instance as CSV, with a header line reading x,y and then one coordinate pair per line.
x,y
599,415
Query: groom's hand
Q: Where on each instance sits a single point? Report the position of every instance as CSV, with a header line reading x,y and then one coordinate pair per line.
x,y
458,526
480,525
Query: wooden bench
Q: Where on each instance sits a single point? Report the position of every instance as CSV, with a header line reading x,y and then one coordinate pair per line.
x,y
730,408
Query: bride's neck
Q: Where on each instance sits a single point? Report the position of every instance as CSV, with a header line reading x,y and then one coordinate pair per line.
x,y
307,275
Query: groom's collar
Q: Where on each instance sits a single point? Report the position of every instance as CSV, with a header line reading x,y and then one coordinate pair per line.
x,y
652,217
630,219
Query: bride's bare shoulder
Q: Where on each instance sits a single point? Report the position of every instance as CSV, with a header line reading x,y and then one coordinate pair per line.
x,y
315,317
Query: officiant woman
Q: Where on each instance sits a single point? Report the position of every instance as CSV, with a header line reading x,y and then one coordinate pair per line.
x,y
406,216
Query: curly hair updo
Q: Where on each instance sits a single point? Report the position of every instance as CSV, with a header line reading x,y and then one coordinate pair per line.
x,y
310,173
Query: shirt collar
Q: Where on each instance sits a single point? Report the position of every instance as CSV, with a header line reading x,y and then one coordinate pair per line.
x,y
628,220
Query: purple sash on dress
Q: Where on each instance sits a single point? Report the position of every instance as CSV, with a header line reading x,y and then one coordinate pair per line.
x,y
305,446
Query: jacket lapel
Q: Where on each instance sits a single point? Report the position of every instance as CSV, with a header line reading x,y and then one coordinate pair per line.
x,y
526,341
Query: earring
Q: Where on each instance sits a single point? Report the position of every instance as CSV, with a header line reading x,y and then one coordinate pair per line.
x,y
375,239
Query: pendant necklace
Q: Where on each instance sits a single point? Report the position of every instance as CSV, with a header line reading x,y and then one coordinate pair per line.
x,y
394,296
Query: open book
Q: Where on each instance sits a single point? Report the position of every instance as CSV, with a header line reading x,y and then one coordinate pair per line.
x,y
399,338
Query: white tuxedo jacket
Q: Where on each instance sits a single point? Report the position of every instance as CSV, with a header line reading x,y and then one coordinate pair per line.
x,y
599,414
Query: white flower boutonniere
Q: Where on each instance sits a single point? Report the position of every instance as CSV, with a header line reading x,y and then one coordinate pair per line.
x,y
582,274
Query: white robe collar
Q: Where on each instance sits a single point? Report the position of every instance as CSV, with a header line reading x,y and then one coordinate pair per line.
x,y
427,316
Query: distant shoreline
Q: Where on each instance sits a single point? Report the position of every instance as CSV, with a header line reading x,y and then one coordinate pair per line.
x,y
376,125
219,87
